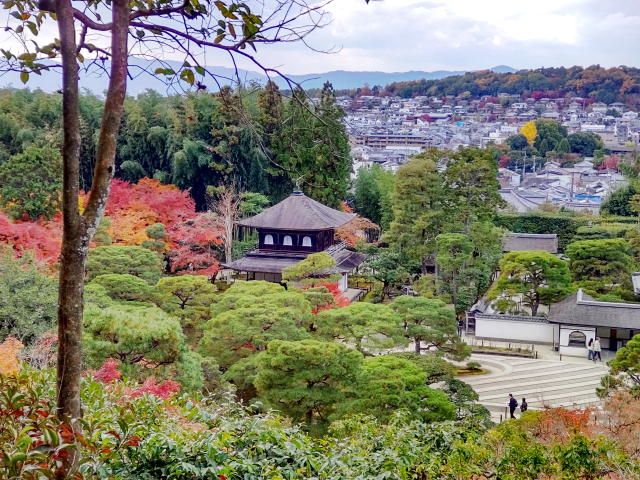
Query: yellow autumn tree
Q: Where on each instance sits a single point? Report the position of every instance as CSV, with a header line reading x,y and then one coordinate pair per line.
x,y
530,131
9,350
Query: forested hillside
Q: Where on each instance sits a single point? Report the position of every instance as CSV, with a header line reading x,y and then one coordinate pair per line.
x,y
618,84
256,139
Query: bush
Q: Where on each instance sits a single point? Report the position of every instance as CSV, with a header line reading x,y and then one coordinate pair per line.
x,y
474,366
567,226
122,286
133,431
28,299
137,261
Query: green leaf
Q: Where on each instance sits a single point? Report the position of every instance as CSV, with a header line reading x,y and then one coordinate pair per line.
x,y
28,57
24,77
164,71
188,76
200,70
219,38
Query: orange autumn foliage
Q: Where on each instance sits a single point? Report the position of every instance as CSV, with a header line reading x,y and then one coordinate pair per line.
x,y
559,424
132,207
621,421
191,243
9,350
359,229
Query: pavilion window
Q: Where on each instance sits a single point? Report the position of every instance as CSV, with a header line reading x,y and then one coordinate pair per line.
x,y
306,241
287,241
268,240
577,339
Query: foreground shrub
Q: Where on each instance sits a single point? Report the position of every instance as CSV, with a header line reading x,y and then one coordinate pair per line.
x,y
142,436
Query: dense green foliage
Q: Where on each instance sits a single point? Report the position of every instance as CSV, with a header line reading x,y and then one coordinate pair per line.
x,y
604,85
255,138
28,299
389,383
602,266
619,202
187,297
123,286
372,194
129,435
310,270
137,261
584,143
245,320
625,368
450,196
540,277
430,324
30,183
306,379
368,327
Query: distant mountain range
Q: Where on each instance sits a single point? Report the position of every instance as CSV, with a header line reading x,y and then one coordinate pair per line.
x,y
341,79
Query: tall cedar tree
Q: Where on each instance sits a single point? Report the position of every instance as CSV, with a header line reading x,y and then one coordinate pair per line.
x,y
314,147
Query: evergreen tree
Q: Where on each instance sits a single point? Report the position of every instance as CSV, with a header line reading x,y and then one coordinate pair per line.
x,y
563,147
30,183
418,208
332,168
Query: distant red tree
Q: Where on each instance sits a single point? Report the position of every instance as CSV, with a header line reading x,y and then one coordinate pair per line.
x,y
610,162
43,238
196,245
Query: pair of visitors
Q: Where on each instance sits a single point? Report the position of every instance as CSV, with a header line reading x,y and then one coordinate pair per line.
x,y
596,350
513,404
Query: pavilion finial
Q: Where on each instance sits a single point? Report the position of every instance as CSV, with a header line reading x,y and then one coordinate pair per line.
x,y
298,190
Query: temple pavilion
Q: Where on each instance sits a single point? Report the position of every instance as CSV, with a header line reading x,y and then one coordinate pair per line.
x,y
291,230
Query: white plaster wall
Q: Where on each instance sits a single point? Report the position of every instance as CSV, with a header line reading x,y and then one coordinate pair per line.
x,y
565,331
514,330
565,349
343,285
573,351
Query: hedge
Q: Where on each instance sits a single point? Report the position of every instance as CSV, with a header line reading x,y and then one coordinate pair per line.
x,y
568,227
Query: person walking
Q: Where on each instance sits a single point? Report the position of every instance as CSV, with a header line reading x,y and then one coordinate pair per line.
x,y
523,405
590,349
513,404
596,350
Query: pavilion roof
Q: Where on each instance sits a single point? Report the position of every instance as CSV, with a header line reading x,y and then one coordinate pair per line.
x,y
298,212
582,309
521,242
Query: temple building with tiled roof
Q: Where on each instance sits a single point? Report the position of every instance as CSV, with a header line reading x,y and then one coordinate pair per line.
x,y
291,230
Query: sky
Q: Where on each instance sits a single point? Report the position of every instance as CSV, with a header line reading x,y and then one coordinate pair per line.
x,y
401,35
428,35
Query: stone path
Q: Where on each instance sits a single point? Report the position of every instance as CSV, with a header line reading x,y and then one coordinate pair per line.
x,y
543,382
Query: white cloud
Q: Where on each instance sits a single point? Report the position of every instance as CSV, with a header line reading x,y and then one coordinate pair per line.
x,y
400,35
